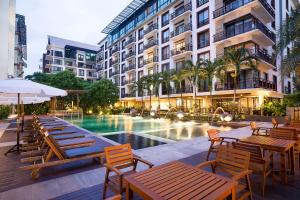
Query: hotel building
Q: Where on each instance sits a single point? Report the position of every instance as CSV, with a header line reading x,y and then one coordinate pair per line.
x,y
158,35
76,57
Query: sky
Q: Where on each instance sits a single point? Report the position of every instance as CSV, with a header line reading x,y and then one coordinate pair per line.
x,y
79,20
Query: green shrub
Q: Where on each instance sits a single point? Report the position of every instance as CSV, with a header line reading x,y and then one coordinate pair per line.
x,y
39,109
4,112
274,108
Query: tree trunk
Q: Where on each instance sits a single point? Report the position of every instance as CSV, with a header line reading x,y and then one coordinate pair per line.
x,y
181,96
150,100
211,101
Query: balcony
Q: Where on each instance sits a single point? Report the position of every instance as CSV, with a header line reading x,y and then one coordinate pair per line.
x,y
188,48
201,2
256,29
129,55
128,68
185,90
130,41
260,54
252,83
150,44
151,60
128,81
187,28
260,8
115,50
113,62
150,28
114,73
180,12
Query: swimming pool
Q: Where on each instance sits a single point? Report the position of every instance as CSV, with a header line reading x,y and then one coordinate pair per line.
x,y
159,129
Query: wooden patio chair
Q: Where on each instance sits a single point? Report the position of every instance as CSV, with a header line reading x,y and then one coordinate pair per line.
x,y
62,156
263,131
216,141
258,163
116,197
118,158
235,164
275,123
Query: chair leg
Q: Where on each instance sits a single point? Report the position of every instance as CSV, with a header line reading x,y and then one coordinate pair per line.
x,y
263,184
105,184
249,186
209,151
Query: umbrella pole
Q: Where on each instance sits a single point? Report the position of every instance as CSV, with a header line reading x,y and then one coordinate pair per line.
x,y
16,148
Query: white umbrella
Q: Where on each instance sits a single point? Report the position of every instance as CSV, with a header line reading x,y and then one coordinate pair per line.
x,y
25,100
20,89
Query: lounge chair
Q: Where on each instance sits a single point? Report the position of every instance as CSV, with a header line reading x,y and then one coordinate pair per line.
x,y
63,156
216,141
256,130
117,158
235,163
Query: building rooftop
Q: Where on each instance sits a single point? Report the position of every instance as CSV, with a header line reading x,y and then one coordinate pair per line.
x,y
64,42
125,14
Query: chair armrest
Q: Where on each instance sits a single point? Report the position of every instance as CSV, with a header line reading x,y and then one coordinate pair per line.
x,y
241,175
143,161
113,169
204,164
230,138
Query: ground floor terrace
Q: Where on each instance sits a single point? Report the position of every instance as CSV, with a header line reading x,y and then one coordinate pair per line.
x,y
249,101
84,179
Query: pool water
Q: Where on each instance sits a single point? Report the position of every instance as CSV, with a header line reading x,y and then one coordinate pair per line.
x,y
154,128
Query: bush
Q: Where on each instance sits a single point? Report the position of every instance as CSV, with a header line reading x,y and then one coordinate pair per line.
x,y
39,109
4,112
274,108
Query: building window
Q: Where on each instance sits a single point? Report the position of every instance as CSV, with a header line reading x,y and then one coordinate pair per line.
x,y
204,56
56,69
165,53
57,62
140,47
202,18
123,44
122,67
81,72
140,62
80,57
273,3
123,55
179,65
58,53
140,74
165,67
165,36
140,34
287,4
105,55
203,39
165,19
201,2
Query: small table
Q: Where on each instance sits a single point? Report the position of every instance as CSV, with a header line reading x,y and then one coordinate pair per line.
x,y
176,180
279,145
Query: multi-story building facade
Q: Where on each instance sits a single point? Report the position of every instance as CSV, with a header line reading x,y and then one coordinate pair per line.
x,y
159,35
76,57
20,46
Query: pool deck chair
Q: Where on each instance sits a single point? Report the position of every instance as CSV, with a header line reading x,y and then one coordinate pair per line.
x,y
117,158
59,156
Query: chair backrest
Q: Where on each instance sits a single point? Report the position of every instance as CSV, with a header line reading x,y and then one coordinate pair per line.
x,y
256,154
213,134
232,160
274,122
281,133
253,125
53,146
119,156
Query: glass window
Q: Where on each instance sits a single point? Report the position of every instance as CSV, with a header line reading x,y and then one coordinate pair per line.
x,y
58,53
140,47
165,67
165,36
140,61
204,56
140,74
140,33
56,69
165,19
203,39
57,62
81,72
165,52
90,57
80,57
123,44
202,17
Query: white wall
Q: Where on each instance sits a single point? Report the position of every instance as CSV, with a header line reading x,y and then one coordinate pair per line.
x,y
7,37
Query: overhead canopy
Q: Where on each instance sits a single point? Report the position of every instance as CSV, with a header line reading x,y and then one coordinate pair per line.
x,y
25,100
27,88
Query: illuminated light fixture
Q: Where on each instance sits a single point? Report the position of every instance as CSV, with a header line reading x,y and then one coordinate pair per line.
x,y
180,114
226,117
153,113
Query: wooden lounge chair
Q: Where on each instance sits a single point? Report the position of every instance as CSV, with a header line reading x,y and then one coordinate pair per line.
x,y
116,197
63,156
275,123
235,163
117,158
216,141
258,163
259,130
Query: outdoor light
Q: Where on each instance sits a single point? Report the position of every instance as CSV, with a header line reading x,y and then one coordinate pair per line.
x,y
153,113
180,114
226,117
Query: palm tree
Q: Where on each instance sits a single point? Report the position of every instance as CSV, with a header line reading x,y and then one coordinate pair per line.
x,y
166,80
192,74
289,33
156,81
178,77
237,58
211,69
139,87
148,83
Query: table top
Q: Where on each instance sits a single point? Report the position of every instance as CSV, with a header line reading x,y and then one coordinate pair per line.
x,y
176,180
270,143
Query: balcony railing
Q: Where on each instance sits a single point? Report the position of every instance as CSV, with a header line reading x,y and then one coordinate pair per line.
x,y
239,3
203,22
115,49
151,60
184,90
263,55
183,49
246,28
128,68
150,28
201,2
181,10
247,84
130,54
181,29
117,72
150,44
113,62
140,51
130,41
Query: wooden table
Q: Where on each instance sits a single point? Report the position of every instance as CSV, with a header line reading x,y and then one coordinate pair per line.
x,y
277,145
176,180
